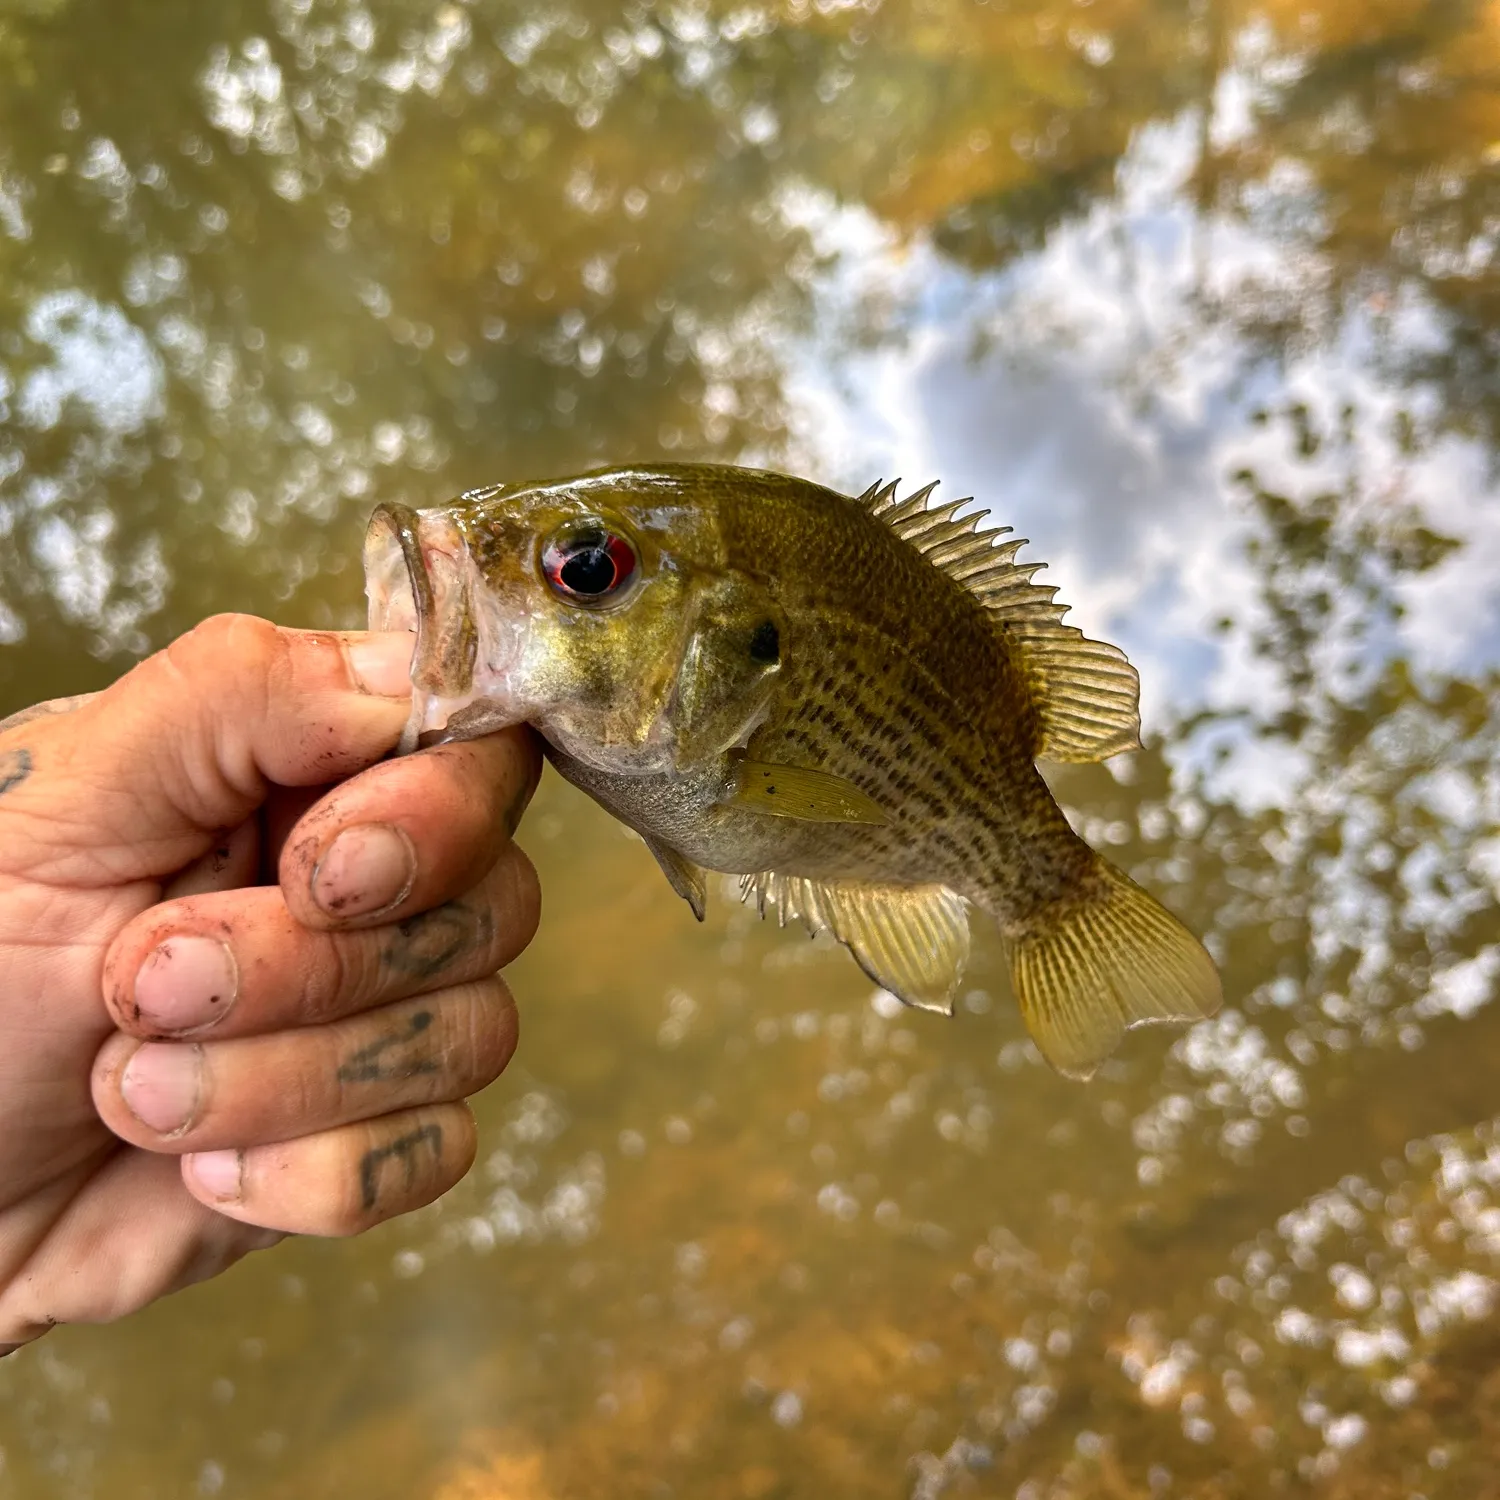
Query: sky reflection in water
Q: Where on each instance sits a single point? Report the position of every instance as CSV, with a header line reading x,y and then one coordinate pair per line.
x,y
1202,300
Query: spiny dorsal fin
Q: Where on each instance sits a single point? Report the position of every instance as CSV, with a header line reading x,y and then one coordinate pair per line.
x,y
1086,693
911,940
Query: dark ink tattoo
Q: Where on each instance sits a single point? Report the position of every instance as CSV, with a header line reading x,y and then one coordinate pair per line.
x,y
15,767
403,1149
44,710
426,944
373,1063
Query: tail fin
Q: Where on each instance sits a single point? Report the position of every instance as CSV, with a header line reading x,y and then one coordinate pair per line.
x,y
1086,971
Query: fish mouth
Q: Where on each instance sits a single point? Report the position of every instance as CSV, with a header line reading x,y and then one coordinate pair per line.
x,y
417,578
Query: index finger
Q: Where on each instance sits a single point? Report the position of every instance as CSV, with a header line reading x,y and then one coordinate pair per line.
x,y
409,834
137,781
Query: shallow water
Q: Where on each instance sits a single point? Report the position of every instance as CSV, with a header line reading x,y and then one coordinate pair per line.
x,y
1200,297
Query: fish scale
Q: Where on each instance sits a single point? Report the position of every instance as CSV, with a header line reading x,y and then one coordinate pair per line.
x,y
840,700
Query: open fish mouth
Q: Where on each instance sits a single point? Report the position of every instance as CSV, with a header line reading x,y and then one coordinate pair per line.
x,y
418,576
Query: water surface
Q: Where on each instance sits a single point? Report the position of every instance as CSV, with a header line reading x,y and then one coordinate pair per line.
x,y
1201,297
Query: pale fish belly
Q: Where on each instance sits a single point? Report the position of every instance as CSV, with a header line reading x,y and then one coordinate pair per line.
x,y
683,810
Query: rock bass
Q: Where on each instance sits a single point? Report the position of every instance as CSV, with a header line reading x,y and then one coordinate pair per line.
x,y
841,701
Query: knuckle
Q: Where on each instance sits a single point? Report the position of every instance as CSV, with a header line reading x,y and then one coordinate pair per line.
x,y
517,900
348,979
244,639
342,1207
310,1088
269,1090
255,648
485,1036
396,1058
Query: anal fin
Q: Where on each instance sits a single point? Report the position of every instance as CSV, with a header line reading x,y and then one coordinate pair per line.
x,y
912,940
686,878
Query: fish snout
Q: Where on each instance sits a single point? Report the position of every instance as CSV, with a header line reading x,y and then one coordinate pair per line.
x,y
417,579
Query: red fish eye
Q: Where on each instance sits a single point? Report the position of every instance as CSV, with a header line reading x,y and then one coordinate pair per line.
x,y
588,565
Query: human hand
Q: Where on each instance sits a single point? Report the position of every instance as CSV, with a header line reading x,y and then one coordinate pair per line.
x,y
193,1063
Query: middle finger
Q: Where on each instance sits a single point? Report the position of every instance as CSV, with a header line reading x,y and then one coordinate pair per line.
x,y
238,963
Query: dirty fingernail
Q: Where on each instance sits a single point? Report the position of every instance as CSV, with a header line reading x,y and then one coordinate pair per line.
x,y
162,1085
185,983
364,870
218,1173
381,662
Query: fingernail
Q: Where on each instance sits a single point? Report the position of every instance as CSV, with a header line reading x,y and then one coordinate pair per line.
x,y
162,1085
218,1173
364,870
381,662
186,982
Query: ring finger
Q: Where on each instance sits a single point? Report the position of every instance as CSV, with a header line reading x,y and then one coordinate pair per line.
x,y
339,1181
201,1096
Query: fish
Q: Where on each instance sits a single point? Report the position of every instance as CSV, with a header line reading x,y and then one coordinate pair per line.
x,y
840,700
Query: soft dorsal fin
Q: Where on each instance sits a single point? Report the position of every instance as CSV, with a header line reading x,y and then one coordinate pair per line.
x,y
911,940
1087,695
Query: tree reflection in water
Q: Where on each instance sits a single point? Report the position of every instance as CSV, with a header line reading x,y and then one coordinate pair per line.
x,y
1201,296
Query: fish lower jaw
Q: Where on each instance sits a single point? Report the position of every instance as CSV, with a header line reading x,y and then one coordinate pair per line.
x,y
435,719
600,760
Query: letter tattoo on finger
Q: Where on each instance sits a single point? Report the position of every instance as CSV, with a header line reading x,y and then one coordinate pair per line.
x,y
375,1062
44,710
403,1149
15,767
427,943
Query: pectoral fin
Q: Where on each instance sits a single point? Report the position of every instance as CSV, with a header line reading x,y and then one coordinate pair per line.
x,y
795,792
687,879
912,940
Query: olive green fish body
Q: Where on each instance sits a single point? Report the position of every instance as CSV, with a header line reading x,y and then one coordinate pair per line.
x,y
841,701
898,681
929,722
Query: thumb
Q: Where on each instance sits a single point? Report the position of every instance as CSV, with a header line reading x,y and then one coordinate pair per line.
x,y
185,745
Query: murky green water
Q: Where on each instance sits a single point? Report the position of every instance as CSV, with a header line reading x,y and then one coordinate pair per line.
x,y
1204,299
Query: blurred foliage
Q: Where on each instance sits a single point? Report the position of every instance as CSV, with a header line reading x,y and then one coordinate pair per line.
x,y
262,263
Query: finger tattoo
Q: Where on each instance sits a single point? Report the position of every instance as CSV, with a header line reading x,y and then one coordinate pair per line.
x,y
383,1058
44,710
427,943
15,767
403,1149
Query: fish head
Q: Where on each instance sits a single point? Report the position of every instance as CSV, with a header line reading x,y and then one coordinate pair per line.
x,y
598,609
